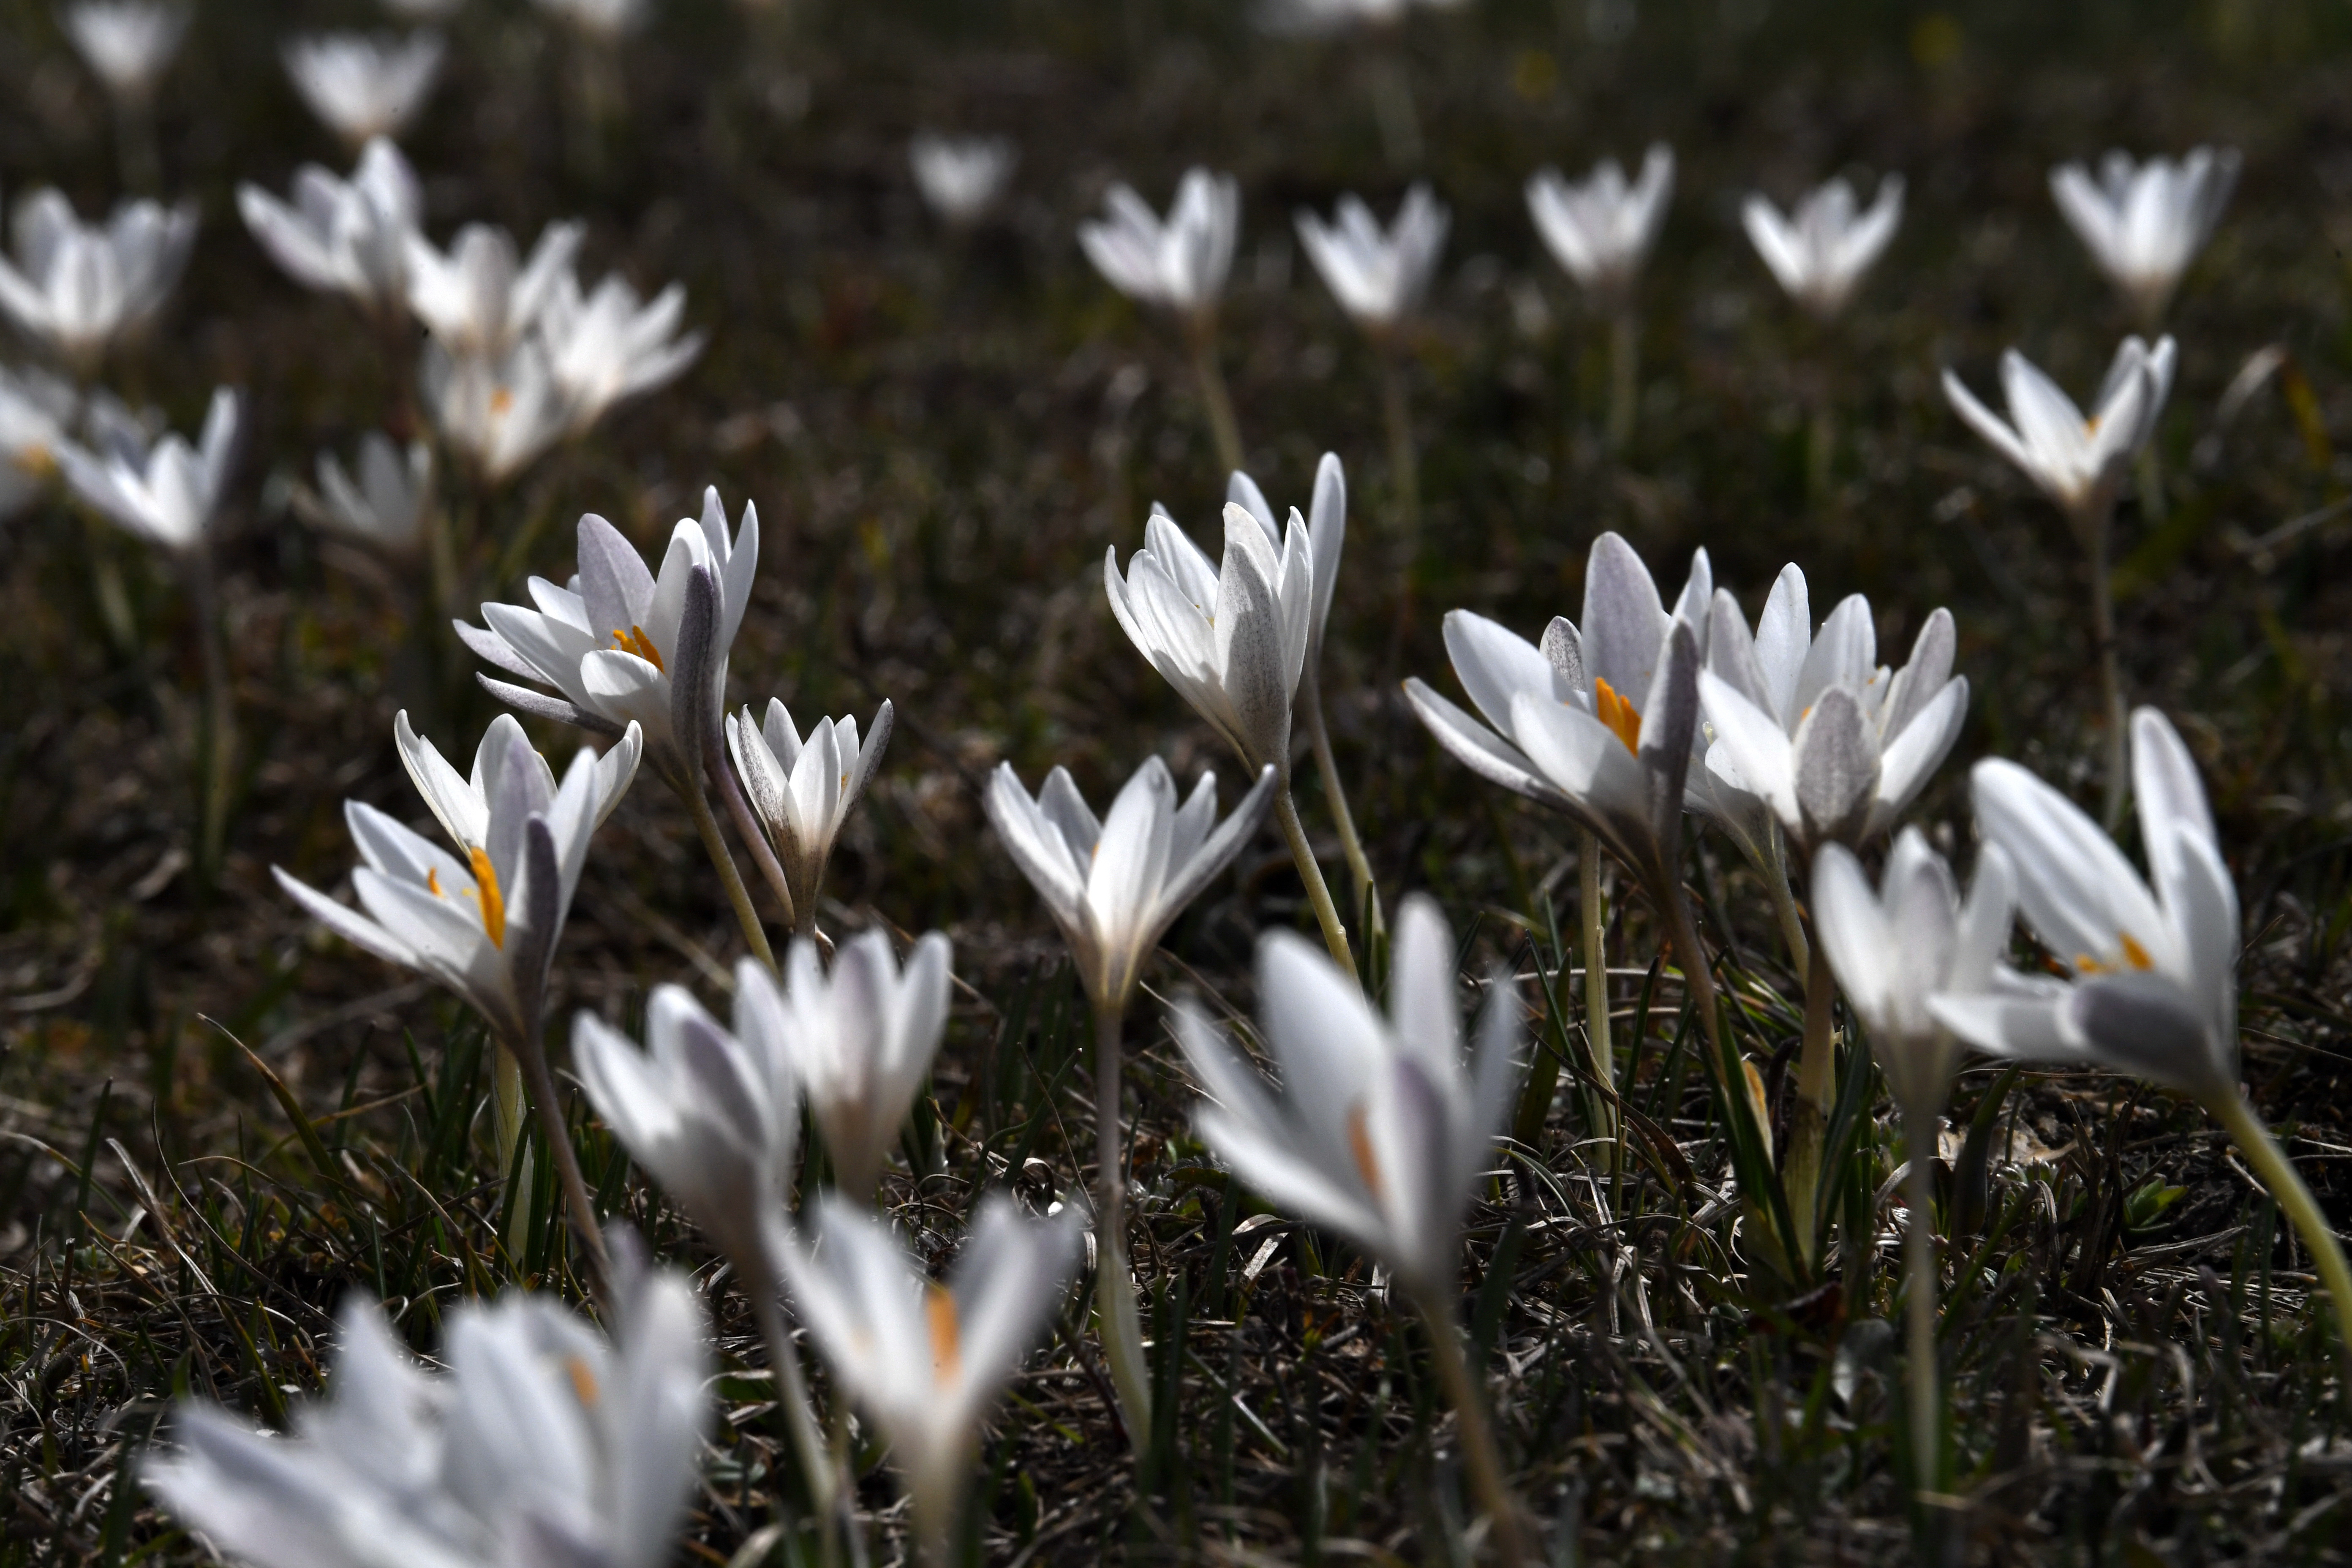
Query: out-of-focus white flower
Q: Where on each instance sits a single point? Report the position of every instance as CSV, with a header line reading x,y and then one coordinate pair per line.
x,y
348,237
1230,639
1179,265
2079,463
624,645
384,505
1820,255
1601,229
126,44
607,20
543,1443
423,10
1895,949
478,300
860,1041
1115,887
34,410
1569,730
501,413
168,494
1381,1127
485,926
926,1362
605,346
961,177
1812,728
713,1116
1311,17
1378,276
363,86
2153,976
802,790
78,287
2144,224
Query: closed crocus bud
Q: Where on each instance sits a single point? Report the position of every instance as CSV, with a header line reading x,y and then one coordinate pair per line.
x,y
1818,254
859,1041
1114,887
802,790
540,1431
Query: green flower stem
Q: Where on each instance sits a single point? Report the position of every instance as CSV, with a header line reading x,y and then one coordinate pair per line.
x,y
2278,1174
532,1054
1784,903
1919,1308
1224,429
1121,1324
1624,376
1318,737
738,895
1327,914
1480,1454
1596,976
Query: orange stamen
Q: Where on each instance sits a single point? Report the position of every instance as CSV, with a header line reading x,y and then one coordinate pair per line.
x,y
433,882
492,902
2134,954
1359,1144
1622,718
635,641
583,1382
947,1333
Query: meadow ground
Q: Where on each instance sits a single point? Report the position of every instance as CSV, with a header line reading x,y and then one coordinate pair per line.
x,y
942,437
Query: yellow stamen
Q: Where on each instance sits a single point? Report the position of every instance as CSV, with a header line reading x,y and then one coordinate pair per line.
x,y
502,400
433,882
2134,954
947,1333
635,641
1624,719
2089,965
492,902
1359,1144
583,1382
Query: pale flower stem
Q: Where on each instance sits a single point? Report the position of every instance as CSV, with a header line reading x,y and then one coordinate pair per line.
x,y
541,1082
1596,974
1404,468
1319,738
509,1107
1122,1324
792,1390
2278,1174
1624,377
1784,906
1224,429
738,895
1480,1455
755,840
1919,1309
2111,677
1327,914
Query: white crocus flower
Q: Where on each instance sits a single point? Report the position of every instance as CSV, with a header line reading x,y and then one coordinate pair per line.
x,y
1819,253
1381,1128
34,410
345,237
605,346
479,300
1231,639
76,288
484,922
2079,462
543,1441
1812,728
624,645
126,44
926,1361
1601,229
606,21
500,415
859,1041
1326,535
168,494
1115,887
363,87
1600,723
1378,276
961,177
2144,224
384,504
1179,265
802,790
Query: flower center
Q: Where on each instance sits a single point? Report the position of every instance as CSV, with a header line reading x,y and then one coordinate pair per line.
x,y
2135,957
635,641
1359,1144
1623,717
583,1382
947,1333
